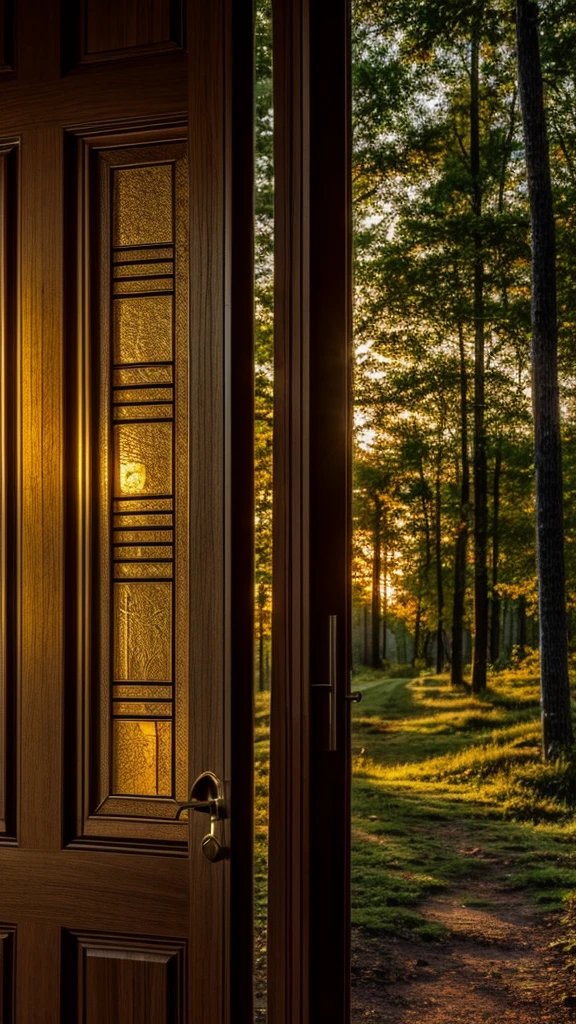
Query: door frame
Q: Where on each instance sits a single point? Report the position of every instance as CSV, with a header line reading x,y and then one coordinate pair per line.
x,y
221,68
309,852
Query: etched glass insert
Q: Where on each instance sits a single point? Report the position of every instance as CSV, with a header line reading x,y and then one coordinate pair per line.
x,y
140,394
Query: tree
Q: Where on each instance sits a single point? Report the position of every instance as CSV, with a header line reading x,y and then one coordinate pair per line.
x,y
556,711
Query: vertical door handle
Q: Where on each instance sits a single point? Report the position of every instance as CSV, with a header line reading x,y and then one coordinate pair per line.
x,y
330,687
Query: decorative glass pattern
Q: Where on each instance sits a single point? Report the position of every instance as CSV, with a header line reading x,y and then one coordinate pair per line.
x,y
141,392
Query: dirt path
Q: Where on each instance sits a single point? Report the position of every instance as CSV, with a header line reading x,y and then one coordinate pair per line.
x,y
497,967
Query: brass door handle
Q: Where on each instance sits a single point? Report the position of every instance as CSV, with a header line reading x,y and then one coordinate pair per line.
x,y
207,797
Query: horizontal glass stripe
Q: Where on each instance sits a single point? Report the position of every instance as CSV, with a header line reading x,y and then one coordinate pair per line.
x,y
137,411
157,709
143,536
140,691
142,375
143,570
138,552
157,285
142,393
143,269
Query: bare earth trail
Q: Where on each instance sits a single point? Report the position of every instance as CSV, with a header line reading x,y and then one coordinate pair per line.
x,y
496,966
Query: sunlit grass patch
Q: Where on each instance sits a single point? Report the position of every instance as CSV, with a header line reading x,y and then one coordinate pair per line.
x,y
454,788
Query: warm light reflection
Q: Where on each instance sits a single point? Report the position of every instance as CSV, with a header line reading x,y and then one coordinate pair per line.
x,y
132,477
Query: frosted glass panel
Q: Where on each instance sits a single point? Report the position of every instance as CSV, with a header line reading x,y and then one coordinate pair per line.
x,y
143,329
143,205
143,403
143,632
143,458
142,758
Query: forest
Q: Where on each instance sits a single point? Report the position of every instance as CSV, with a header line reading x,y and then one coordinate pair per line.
x,y
445,568
445,561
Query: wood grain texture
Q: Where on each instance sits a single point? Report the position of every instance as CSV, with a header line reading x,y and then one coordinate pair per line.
x,y
93,890
288,918
330,500
112,979
6,38
209,939
154,89
104,31
9,481
42,492
38,973
221,258
308,890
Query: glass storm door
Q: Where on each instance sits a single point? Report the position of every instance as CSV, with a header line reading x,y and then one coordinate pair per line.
x,y
125,443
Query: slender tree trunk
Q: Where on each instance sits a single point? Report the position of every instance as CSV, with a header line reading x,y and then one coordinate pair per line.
x,y
366,652
555,687
376,574
439,580
385,589
456,674
417,627
480,462
261,604
522,627
495,599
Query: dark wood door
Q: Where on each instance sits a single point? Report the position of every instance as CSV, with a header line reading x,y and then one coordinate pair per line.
x,y
309,904
125,411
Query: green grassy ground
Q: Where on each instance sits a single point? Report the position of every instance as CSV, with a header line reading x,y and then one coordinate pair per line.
x,y
447,789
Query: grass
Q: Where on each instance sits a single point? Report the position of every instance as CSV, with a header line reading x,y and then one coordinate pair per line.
x,y
448,789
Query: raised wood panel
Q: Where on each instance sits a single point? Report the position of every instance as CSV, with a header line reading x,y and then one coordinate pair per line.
x,y
99,31
6,37
8,480
98,269
7,938
123,980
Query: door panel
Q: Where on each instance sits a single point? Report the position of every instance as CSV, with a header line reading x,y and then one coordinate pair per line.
x,y
310,727
9,412
117,544
123,980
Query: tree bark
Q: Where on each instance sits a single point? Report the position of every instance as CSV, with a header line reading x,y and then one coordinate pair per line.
x,y
439,580
376,573
495,599
261,604
456,674
417,627
480,462
555,688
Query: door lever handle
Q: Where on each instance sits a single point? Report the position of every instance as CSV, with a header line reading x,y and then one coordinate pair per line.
x,y
207,796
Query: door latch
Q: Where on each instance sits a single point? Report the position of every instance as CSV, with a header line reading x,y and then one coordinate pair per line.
x,y
207,797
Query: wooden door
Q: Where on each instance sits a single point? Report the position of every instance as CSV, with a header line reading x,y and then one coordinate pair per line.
x,y
309,901
125,508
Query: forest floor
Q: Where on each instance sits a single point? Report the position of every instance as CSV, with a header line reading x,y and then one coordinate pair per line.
x,y
463,857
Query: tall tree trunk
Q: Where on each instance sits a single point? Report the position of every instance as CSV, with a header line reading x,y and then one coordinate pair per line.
x,y
439,580
384,588
417,626
261,604
366,648
480,462
495,599
555,687
376,574
522,627
456,673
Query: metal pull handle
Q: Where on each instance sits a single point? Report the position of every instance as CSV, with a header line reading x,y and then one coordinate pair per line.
x,y
206,796
331,734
